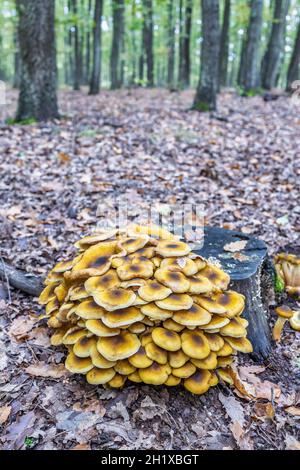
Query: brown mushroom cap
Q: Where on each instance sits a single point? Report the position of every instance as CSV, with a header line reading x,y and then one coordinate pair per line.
x,y
137,327
61,292
153,290
216,342
170,324
233,302
63,266
135,377
234,329
124,367
216,322
106,281
100,376
154,312
78,365
97,327
216,276
171,248
156,374
48,293
78,293
199,382
210,362
200,285
186,265
177,358
225,376
156,353
226,350
295,320
210,304
73,335
175,302
118,381
140,360
131,244
184,371
175,280
83,346
195,316
240,344
114,299
172,381
134,269
284,311
94,262
122,317
195,344
166,339
122,346
98,360
57,337
225,361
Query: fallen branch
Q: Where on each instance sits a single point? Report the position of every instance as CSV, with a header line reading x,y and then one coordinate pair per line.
x,y
28,283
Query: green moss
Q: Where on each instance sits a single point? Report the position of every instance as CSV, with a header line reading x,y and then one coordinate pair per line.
x,y
201,106
30,442
278,284
249,93
23,122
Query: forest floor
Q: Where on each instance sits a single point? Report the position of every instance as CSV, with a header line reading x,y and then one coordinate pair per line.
x,y
242,163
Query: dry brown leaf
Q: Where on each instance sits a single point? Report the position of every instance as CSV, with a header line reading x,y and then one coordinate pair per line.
x,y
242,439
264,411
42,369
40,336
63,158
235,246
293,410
21,327
4,413
251,386
291,443
85,446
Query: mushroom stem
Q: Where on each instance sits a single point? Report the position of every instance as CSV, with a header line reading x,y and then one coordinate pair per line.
x,y
278,327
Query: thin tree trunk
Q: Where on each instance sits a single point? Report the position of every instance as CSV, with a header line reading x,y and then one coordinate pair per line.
x,y
148,39
180,45
118,7
185,63
249,67
206,94
275,50
97,49
70,49
37,98
293,70
77,60
88,47
224,45
171,44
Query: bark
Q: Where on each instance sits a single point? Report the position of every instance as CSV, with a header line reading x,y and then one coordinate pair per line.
x,y
148,39
97,49
118,7
16,81
293,70
272,59
206,94
249,67
171,44
77,60
37,98
224,45
185,40
88,47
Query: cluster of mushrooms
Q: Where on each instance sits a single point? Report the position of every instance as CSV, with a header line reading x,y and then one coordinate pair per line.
x,y
137,304
287,268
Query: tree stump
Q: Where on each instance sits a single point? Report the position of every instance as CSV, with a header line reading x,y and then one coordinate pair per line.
x,y
251,274
250,270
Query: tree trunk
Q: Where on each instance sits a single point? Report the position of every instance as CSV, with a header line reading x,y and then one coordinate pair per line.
x,y
185,63
77,59
97,49
171,44
148,39
224,45
88,47
206,94
37,98
275,50
249,67
16,81
293,70
118,7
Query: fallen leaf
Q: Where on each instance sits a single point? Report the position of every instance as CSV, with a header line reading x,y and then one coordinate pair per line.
x,y
19,430
233,408
264,411
63,158
242,439
291,443
21,327
293,410
235,246
42,369
4,413
40,336
82,447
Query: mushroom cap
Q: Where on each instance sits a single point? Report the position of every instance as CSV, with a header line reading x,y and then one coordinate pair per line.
x,y
118,347
224,375
233,302
78,365
186,265
89,310
200,285
94,262
213,380
175,280
140,360
216,322
63,266
146,252
135,377
153,290
98,360
97,237
61,292
124,367
57,337
131,270
216,342
156,374
216,276
240,344
146,338
78,293
83,346
184,371
53,322
210,362
62,314
132,244
48,293
100,376
209,304
52,306
122,317
225,361
139,301
97,327
199,382
53,277
194,344
73,335
118,381
150,230
284,311
171,248
156,353
106,281
172,325
114,299
295,320
234,329
175,302
154,312
226,350
177,358
166,339
172,381
195,316
137,327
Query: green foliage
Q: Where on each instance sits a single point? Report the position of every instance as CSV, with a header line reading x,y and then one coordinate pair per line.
x,y
201,106
249,93
23,122
30,442
278,284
